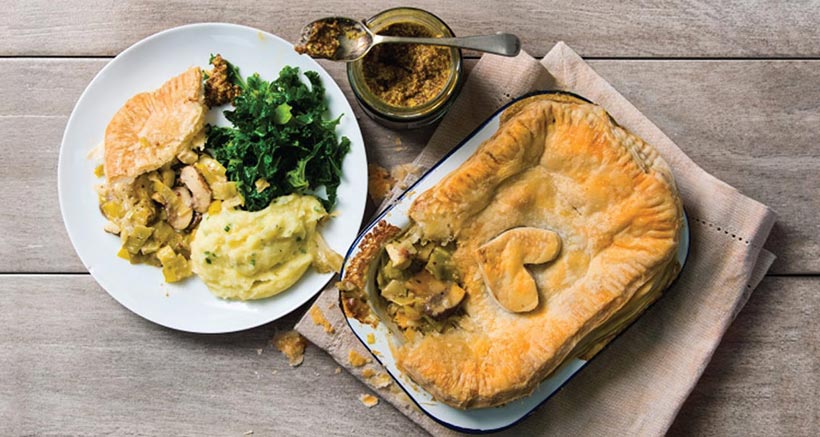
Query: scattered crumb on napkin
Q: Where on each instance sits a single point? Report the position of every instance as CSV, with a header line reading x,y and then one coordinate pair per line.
x,y
380,380
381,182
319,318
356,359
400,173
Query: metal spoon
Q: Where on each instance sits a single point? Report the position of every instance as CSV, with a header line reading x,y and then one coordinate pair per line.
x,y
356,39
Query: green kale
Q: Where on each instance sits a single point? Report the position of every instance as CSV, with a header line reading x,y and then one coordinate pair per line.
x,y
280,134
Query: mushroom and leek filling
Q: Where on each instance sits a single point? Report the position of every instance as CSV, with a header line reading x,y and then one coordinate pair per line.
x,y
240,204
419,284
155,215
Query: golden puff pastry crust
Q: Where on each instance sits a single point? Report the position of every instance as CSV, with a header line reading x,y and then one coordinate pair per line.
x,y
602,205
151,128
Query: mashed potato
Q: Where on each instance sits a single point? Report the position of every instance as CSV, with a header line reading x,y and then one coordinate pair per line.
x,y
253,255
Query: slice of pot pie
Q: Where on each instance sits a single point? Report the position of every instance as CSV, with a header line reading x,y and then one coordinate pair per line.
x,y
154,127
545,244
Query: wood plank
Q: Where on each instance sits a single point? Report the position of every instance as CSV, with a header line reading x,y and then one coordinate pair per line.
x,y
754,132
630,28
763,378
98,368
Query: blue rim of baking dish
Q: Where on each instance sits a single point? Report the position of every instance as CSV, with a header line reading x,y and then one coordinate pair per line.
x,y
395,201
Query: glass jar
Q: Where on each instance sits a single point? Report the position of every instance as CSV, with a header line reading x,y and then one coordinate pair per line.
x,y
407,117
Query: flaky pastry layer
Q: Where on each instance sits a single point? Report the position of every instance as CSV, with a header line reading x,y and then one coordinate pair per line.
x,y
560,164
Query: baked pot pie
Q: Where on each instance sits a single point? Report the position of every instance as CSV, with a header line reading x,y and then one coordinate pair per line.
x,y
557,233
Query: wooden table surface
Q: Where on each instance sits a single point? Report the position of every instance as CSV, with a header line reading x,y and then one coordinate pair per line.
x,y
736,85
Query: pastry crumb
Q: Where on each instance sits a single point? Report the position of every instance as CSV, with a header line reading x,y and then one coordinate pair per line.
x,y
337,371
368,401
371,338
248,432
368,373
379,182
400,172
292,345
381,380
318,318
259,352
356,359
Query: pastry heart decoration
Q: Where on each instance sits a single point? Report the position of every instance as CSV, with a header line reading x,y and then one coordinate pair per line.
x,y
502,262
486,225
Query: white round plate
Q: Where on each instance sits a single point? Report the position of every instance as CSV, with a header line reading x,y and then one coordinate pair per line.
x,y
188,305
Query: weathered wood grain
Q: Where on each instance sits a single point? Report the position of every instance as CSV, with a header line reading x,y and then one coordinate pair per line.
x,y
763,378
630,28
753,124
98,369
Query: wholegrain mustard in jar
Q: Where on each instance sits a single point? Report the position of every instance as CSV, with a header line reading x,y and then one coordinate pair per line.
x,y
404,86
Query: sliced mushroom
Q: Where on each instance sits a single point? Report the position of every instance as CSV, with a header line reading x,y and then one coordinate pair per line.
x,y
424,285
180,213
194,181
502,259
443,303
195,221
439,297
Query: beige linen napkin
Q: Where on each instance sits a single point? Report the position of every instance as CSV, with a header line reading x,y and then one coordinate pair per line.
x,y
638,384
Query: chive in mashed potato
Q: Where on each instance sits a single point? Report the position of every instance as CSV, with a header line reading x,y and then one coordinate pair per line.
x,y
253,255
